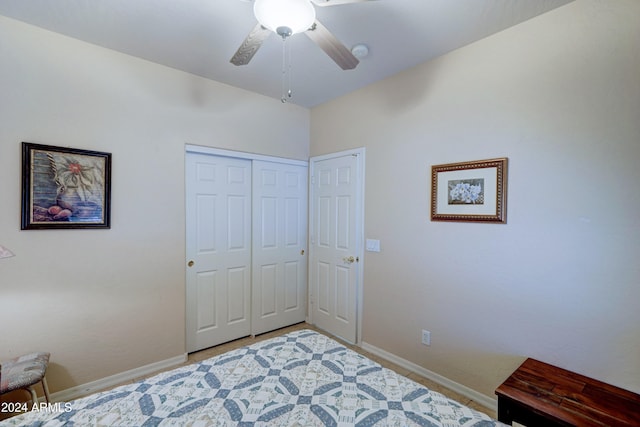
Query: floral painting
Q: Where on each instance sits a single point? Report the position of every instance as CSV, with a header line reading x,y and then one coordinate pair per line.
x,y
463,191
65,188
470,191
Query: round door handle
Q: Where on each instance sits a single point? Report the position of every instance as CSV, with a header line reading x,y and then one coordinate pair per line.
x,y
190,263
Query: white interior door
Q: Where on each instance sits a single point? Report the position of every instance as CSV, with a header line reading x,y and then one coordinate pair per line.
x,y
279,288
336,241
218,246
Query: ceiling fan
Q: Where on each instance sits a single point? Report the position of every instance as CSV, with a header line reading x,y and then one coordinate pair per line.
x,y
287,17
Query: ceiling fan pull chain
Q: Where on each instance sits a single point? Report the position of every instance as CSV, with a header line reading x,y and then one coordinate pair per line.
x,y
289,93
286,70
283,97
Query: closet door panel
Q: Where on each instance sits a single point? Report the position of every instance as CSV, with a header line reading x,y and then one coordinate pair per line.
x,y
218,248
279,296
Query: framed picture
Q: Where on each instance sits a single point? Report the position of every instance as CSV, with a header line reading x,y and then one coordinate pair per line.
x,y
65,188
470,191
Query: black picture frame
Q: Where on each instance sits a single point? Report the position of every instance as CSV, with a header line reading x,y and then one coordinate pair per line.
x,y
65,188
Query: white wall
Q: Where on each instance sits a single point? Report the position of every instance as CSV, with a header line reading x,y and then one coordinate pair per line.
x,y
106,301
559,96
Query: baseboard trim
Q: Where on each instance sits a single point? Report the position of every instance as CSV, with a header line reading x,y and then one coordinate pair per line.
x,y
117,379
477,397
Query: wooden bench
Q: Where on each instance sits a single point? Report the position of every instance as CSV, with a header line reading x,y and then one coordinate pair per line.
x,y
539,394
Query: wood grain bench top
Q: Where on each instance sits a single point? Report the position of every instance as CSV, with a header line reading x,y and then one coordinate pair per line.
x,y
570,398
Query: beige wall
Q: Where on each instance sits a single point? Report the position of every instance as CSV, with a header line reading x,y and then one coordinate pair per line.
x,y
560,97
107,301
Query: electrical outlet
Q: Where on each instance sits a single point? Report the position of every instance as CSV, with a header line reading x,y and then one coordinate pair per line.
x,y
426,337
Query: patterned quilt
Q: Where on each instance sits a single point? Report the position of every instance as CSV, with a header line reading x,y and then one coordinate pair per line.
x,y
299,379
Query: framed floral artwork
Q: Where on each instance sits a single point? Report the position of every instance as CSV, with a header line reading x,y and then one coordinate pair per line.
x,y
65,188
470,191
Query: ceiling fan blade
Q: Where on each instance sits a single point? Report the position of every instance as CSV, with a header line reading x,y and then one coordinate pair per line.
x,y
332,46
250,45
336,2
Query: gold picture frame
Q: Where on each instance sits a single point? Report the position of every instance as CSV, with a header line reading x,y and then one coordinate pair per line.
x,y
473,191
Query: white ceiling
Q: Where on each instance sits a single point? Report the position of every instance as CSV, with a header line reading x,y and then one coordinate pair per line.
x,y
200,36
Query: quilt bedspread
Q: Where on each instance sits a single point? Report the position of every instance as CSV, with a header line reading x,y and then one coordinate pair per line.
x,y
299,379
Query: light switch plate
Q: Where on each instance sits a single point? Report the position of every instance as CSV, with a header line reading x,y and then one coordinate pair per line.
x,y
373,245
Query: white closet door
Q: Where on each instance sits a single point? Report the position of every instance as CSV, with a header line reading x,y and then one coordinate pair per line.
x,y
218,249
279,290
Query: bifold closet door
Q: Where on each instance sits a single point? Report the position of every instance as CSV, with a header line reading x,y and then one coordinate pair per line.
x,y
279,289
218,249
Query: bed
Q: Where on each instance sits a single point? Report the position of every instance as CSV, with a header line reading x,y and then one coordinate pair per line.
x,y
302,378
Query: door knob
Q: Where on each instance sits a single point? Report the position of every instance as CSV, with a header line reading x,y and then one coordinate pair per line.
x,y
190,263
349,259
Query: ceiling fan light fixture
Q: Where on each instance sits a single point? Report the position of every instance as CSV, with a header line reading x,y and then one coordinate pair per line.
x,y
285,17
